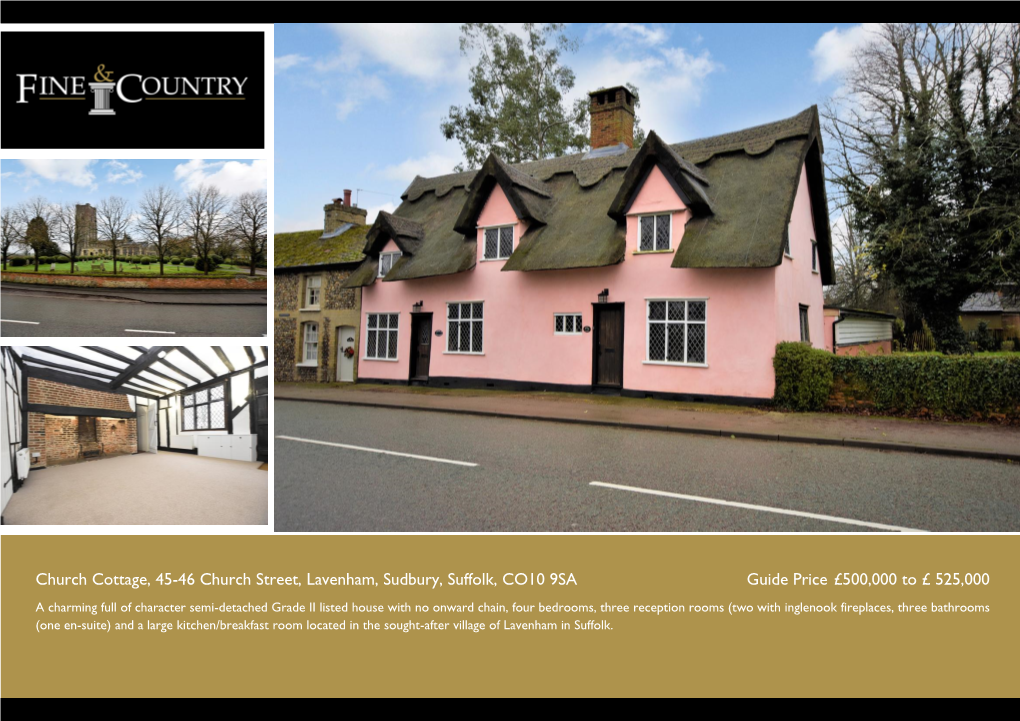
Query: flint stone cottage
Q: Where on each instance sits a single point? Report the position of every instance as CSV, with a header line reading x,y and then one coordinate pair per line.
x,y
317,316
664,271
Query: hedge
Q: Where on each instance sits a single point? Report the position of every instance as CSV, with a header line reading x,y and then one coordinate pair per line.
x,y
803,377
962,387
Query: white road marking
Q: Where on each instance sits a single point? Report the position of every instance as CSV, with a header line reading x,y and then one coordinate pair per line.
x,y
161,332
26,322
378,450
754,507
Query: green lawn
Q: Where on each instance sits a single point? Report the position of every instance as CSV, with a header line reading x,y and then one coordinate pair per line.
x,y
84,267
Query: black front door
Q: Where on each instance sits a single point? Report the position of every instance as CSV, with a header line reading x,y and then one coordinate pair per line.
x,y
262,418
607,345
421,346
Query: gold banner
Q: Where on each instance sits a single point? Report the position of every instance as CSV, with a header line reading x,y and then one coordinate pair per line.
x,y
509,615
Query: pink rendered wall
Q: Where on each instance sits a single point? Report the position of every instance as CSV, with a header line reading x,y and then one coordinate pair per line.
x,y
519,307
829,323
796,283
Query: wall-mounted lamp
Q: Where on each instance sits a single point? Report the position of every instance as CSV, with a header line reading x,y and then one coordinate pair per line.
x,y
416,308
604,296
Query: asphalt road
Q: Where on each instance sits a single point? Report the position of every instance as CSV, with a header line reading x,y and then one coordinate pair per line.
x,y
538,476
45,315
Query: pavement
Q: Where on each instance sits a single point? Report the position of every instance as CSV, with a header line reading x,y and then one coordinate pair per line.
x,y
142,295
346,468
969,440
76,314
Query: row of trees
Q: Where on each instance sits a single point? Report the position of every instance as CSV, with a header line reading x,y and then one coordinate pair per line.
x,y
926,171
205,220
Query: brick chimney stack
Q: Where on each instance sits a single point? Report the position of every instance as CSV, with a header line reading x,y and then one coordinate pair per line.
x,y
612,117
341,211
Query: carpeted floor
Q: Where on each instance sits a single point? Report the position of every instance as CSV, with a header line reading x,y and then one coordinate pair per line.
x,y
144,489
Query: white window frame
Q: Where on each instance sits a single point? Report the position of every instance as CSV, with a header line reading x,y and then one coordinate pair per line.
x,y
446,343
398,253
814,256
666,322
656,216
308,305
386,330
305,362
513,240
578,324
788,243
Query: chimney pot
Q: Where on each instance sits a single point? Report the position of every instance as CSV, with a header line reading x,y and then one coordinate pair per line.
x,y
347,198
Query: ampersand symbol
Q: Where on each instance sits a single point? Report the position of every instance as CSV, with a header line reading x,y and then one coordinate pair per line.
x,y
100,76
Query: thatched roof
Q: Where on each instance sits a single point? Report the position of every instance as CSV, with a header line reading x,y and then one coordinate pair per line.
x,y
308,249
740,187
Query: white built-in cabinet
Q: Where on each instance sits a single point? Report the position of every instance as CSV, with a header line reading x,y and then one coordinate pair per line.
x,y
236,448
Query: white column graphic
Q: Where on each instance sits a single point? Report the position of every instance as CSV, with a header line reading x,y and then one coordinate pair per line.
x,y
101,99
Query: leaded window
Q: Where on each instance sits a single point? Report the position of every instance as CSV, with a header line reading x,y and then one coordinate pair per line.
x,y
656,232
313,285
204,410
805,329
310,343
677,332
568,324
464,330
499,243
386,261
383,330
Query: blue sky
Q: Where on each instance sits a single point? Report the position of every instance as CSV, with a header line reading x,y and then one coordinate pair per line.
x,y
86,181
359,105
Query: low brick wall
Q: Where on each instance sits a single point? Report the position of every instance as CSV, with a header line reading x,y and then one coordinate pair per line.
x,y
136,282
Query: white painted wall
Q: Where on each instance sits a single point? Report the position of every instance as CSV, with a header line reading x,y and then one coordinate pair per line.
x,y
11,432
239,391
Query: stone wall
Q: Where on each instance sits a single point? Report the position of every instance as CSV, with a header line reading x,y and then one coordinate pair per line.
x,y
286,287
337,297
284,346
242,282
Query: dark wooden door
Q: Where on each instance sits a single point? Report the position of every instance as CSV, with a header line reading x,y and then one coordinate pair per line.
x,y
262,419
421,346
608,345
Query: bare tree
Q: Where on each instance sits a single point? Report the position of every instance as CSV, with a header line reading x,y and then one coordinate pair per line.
x,y
39,207
207,219
66,229
159,220
12,224
113,218
249,221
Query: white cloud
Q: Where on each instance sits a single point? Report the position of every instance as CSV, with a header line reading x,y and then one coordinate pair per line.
x,y
75,172
7,175
670,81
358,90
286,62
426,166
122,173
652,36
834,51
373,211
427,51
233,177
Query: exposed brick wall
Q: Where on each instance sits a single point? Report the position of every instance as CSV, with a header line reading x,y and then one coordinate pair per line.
x,y
86,281
61,394
336,297
55,438
612,120
285,291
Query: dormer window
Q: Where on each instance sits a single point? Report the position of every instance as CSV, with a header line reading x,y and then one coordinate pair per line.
x,y
656,233
499,243
386,261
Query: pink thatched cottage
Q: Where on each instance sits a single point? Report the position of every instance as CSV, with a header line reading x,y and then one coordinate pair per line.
x,y
665,270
